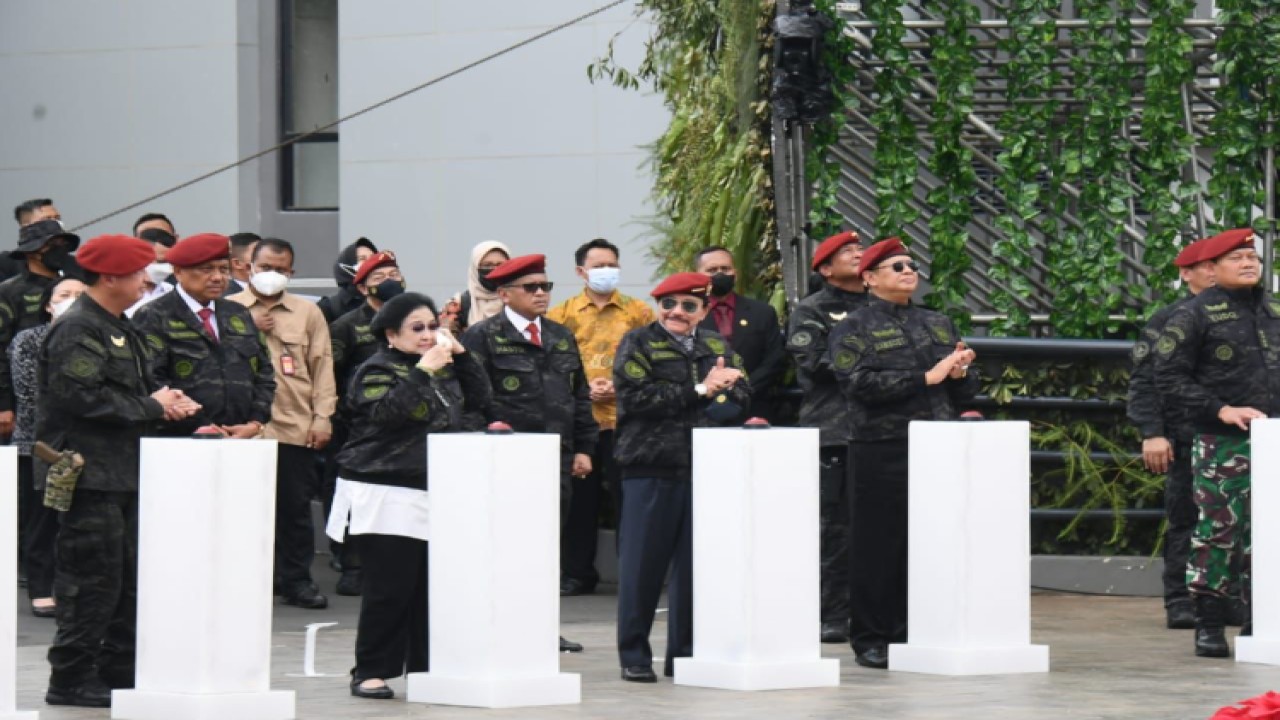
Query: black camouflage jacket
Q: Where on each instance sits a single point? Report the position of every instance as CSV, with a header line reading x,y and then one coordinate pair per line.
x,y
811,324
20,309
353,343
881,354
94,394
231,377
657,405
1221,348
536,389
393,405
1147,409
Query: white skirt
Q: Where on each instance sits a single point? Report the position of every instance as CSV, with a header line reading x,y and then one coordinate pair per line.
x,y
361,508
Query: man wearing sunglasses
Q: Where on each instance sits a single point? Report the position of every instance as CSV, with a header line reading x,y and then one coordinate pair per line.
x,y
537,376
841,294
670,377
895,362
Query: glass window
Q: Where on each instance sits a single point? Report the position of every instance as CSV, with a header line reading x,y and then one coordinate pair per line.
x,y
309,100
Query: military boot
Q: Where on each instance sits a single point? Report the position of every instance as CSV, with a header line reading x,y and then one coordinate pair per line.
x,y
1211,638
1180,615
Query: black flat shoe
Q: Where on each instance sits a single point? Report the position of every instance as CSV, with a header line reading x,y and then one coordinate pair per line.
x,y
834,632
307,597
639,673
569,646
93,693
570,587
349,583
381,693
875,658
45,612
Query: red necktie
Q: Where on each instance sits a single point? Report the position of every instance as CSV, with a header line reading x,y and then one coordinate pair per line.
x,y
533,334
206,317
724,320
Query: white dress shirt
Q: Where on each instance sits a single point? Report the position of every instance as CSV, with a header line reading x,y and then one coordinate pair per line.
x,y
196,307
522,323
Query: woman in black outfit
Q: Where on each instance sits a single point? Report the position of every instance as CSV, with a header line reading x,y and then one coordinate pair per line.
x,y
422,382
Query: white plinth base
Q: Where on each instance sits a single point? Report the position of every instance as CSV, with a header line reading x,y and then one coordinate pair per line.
x,y
1263,651
20,715
969,661
757,676
153,705
498,692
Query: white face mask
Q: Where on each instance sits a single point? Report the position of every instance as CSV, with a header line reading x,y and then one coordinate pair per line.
x,y
603,279
158,272
269,283
56,309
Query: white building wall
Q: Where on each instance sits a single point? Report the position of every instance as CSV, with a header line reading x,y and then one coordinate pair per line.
x,y
523,150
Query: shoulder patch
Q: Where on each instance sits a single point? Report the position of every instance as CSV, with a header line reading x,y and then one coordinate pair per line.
x,y
373,392
156,342
1141,349
237,324
562,345
633,370
421,411
802,339
845,359
82,366
1166,345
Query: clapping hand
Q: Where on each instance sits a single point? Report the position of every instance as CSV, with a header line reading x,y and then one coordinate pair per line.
x,y
721,378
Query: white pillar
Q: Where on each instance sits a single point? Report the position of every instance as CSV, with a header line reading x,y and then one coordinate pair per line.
x,y
205,550
9,579
969,551
755,562
494,583
1264,448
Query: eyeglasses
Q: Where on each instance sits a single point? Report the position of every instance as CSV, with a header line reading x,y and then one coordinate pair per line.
x,y
532,288
421,326
901,265
689,306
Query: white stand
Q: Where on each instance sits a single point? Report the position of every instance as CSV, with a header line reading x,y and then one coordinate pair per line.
x,y
495,569
1264,646
755,562
9,578
969,552
206,520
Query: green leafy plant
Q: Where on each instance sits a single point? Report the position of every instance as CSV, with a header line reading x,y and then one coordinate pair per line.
x,y
1245,55
821,168
896,144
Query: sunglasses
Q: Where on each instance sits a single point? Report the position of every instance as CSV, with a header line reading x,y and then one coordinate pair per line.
x,y
902,265
421,326
689,306
532,288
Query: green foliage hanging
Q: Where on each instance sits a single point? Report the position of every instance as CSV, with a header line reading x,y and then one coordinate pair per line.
x,y
712,63
954,63
821,168
1245,55
896,144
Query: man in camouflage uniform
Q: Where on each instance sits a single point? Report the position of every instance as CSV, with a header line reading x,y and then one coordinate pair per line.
x,y
836,260
533,364
1166,441
1219,359
206,346
378,279
96,399
895,362
44,247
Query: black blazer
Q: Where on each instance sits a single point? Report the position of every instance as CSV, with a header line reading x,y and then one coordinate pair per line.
x,y
758,338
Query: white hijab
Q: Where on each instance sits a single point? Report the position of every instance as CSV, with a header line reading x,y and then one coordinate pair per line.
x,y
484,304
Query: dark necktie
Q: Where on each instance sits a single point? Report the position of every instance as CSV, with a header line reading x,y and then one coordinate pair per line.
x,y
533,334
724,320
206,317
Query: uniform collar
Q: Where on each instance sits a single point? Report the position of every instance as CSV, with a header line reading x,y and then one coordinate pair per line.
x,y
193,304
520,322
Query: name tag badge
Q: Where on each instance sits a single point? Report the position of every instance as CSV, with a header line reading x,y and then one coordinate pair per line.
x,y
286,365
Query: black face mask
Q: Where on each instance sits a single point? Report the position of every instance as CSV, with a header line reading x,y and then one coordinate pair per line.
x,y
57,258
721,284
387,289
484,282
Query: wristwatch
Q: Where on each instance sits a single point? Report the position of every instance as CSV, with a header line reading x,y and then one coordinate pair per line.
x,y
701,389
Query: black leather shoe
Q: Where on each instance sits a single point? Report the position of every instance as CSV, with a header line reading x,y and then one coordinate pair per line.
x,y
45,612
639,673
93,693
349,583
1180,615
379,693
1212,642
573,586
569,646
877,658
307,597
835,632
335,563
1236,612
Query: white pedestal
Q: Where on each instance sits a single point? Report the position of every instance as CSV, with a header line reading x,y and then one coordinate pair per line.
x,y
969,552
205,548
9,578
1264,646
755,562
495,574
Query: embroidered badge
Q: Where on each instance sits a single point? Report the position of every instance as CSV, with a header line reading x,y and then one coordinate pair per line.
x,y
511,383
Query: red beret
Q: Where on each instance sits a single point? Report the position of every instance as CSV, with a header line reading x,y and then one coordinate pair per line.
x,y
518,267
115,255
197,249
684,283
1190,254
872,256
832,245
1224,242
373,262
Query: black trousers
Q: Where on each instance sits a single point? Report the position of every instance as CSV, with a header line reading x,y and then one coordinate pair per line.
x,y
657,515
392,634
833,520
96,587
578,540
878,545
39,534
297,481
347,551
1181,512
